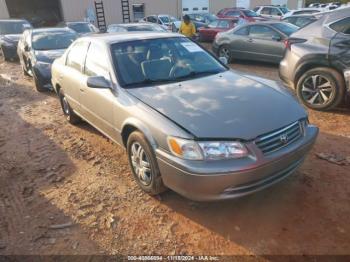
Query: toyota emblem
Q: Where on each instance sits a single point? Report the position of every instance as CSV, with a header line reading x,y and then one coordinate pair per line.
x,y
284,139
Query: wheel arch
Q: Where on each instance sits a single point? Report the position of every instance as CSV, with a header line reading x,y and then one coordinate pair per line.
x,y
131,125
307,64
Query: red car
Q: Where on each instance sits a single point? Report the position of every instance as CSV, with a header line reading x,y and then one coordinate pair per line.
x,y
246,14
209,32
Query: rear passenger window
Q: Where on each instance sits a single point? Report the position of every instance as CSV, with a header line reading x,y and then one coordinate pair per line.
x,y
342,26
95,64
233,13
242,31
266,11
76,56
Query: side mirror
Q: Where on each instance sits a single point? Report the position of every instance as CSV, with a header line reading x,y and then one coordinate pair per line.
x,y
279,14
276,38
223,60
98,82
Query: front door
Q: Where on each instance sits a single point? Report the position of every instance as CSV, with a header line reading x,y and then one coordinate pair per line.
x,y
97,103
265,44
72,77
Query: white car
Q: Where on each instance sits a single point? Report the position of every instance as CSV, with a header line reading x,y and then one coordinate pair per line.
x,y
271,11
302,11
165,21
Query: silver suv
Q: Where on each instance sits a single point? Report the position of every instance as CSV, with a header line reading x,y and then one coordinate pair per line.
x,y
316,60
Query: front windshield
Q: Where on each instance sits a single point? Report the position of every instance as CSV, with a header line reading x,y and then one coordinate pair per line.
x,y
156,61
287,29
284,10
250,13
15,28
52,40
81,28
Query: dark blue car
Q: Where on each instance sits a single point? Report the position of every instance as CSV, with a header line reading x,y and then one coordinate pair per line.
x,y
10,32
38,48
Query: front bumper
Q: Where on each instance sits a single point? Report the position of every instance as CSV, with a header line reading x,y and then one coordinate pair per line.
x,y
212,180
43,75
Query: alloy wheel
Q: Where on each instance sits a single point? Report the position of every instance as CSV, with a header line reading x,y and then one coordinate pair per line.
x,y
65,106
224,52
141,164
317,90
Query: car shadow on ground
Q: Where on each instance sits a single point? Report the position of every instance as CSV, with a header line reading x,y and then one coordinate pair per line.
x,y
291,217
31,165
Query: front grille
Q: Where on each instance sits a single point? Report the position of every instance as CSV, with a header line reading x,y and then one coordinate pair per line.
x,y
276,140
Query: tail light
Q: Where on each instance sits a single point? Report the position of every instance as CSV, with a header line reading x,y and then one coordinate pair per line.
x,y
290,41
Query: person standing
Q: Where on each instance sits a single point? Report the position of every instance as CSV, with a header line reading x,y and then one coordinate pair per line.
x,y
187,28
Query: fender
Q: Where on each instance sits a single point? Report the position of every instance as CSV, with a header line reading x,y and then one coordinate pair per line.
x,y
137,124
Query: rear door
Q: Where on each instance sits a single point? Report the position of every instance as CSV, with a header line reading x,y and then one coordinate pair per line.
x,y
97,103
340,44
71,78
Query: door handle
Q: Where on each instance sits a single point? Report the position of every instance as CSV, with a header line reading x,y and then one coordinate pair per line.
x,y
82,90
250,40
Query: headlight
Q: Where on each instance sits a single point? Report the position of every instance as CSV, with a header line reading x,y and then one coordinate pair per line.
x,y
186,149
223,150
191,150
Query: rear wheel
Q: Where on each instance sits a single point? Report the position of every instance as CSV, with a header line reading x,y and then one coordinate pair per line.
x,y
144,165
224,51
67,110
321,88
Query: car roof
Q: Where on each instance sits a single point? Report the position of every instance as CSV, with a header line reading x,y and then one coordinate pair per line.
x,y
301,15
133,24
13,20
52,29
112,38
77,22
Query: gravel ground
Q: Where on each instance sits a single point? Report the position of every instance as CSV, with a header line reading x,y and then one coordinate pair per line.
x,y
68,190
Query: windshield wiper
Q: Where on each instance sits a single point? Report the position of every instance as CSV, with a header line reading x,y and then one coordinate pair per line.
x,y
194,74
147,82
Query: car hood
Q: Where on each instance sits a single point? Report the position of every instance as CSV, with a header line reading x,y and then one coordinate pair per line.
x,y
49,56
225,105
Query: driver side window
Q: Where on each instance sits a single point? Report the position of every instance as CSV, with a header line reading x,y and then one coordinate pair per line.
x,y
262,32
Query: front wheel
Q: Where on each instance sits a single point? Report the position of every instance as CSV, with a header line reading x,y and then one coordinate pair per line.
x,y
224,51
144,165
321,88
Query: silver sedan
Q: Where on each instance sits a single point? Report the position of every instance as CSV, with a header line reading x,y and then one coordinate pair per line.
x,y
188,122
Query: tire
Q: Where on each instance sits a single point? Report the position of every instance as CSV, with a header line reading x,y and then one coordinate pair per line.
x,y
38,86
224,51
3,57
150,181
72,118
321,88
